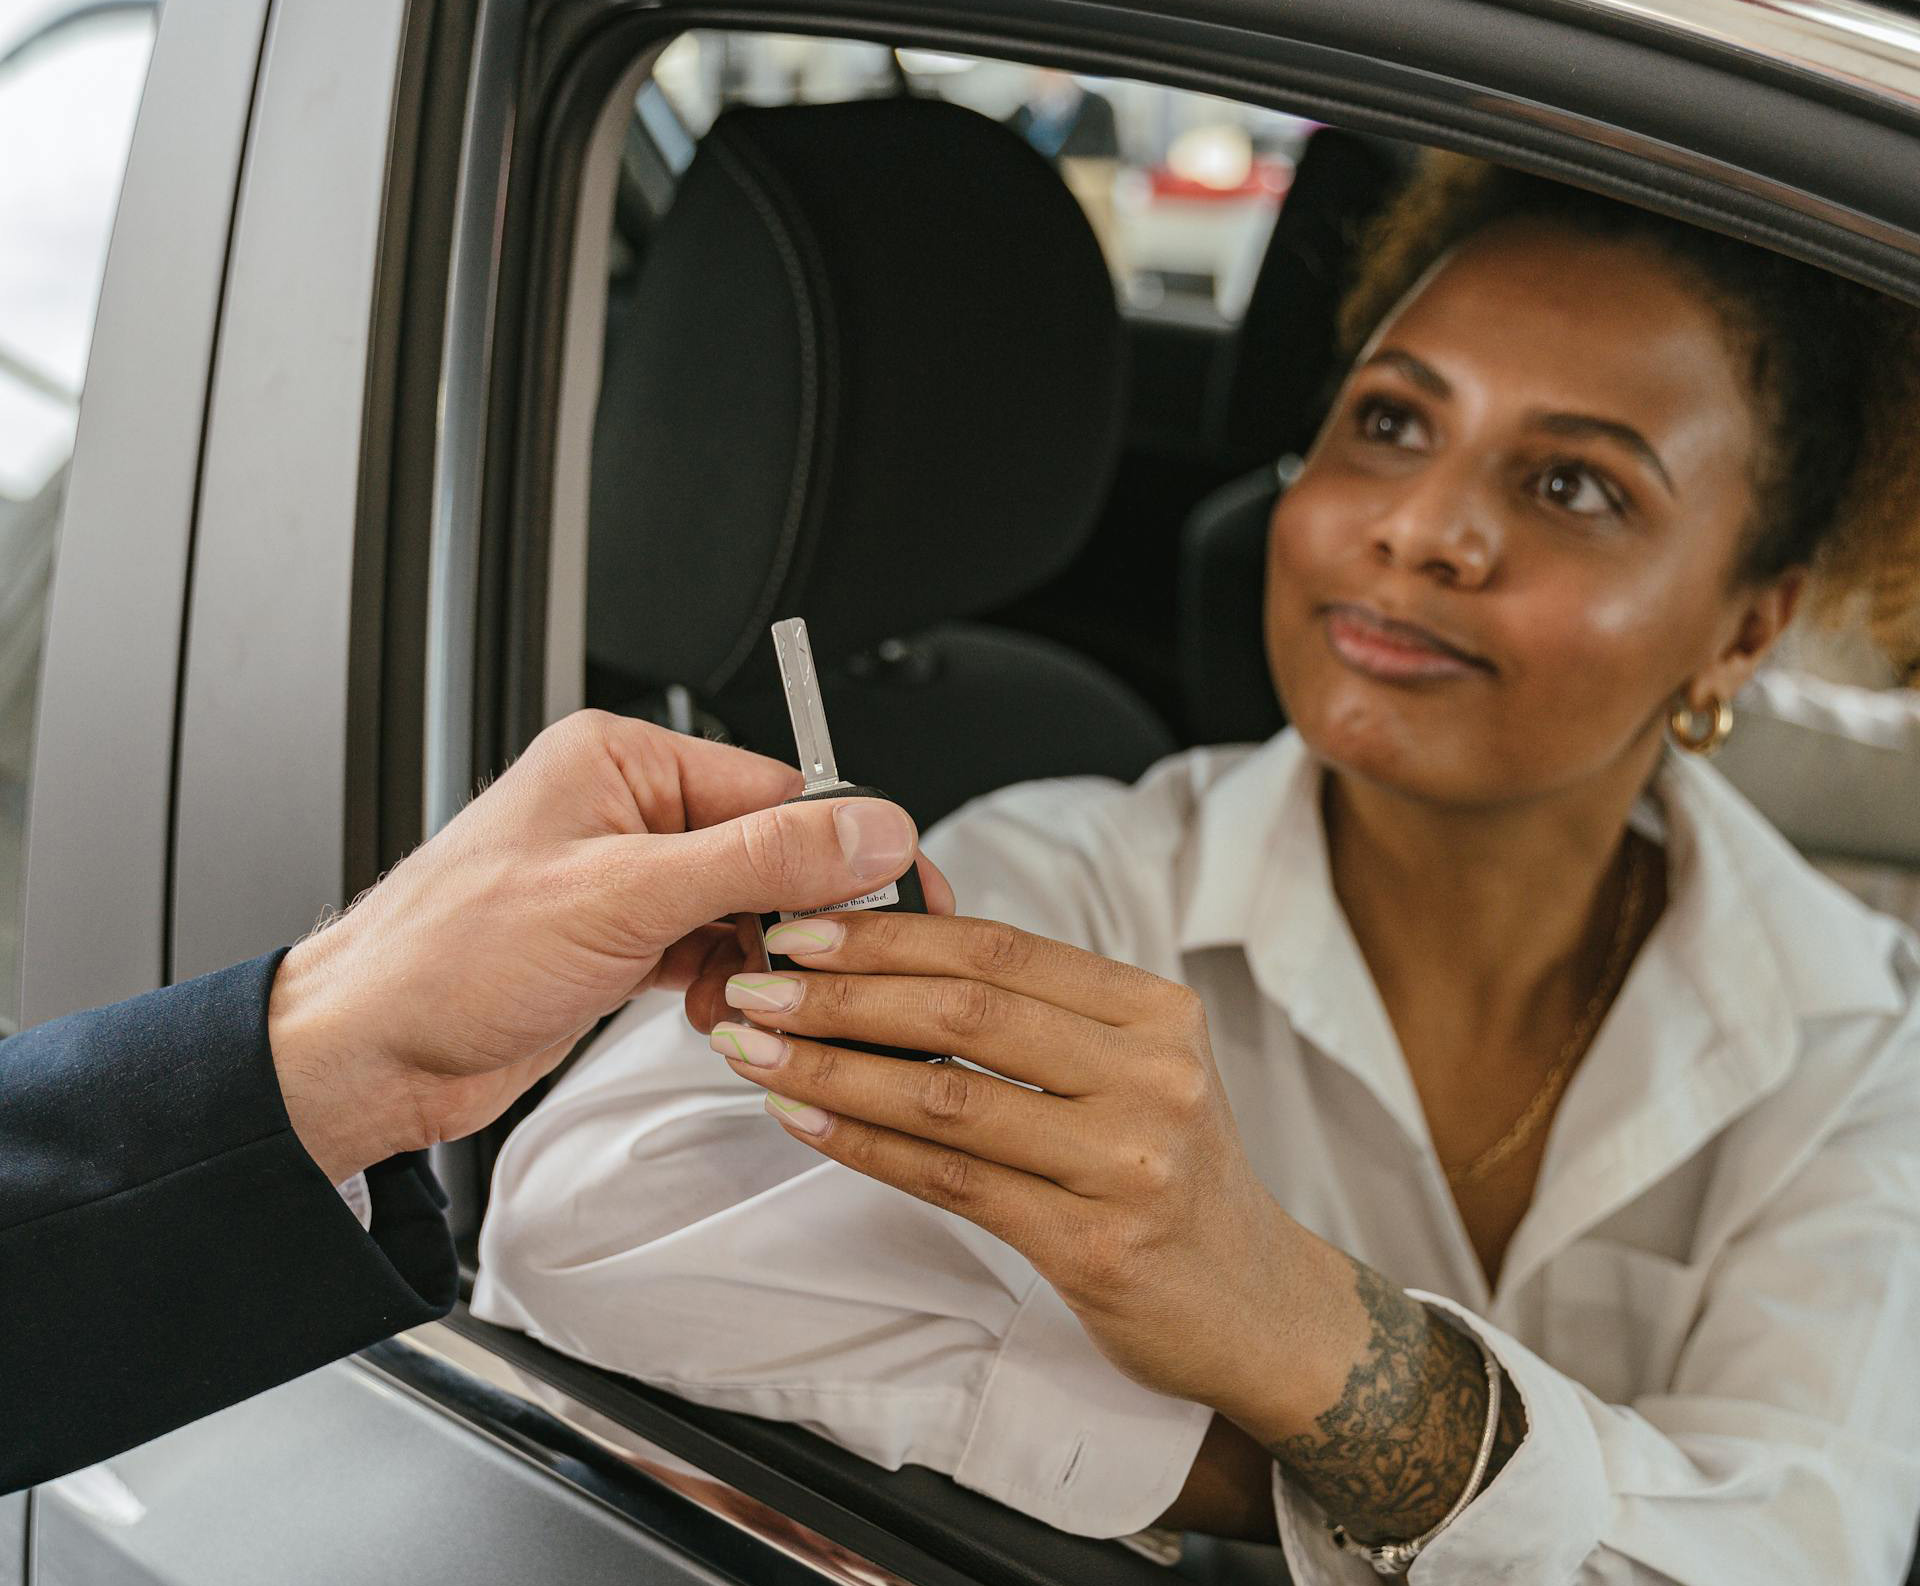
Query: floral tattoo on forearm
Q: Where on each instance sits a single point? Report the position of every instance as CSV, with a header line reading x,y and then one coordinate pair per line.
x,y
1393,1454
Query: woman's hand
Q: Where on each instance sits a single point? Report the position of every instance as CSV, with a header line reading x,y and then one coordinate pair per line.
x,y
1121,1177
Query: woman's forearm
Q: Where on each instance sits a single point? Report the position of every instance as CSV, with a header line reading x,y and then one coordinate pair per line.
x,y
1390,1455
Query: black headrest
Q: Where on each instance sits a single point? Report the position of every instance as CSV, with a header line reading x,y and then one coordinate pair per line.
x,y
1225,683
1284,354
870,374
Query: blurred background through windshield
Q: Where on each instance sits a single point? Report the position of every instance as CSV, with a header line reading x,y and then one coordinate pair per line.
x,y
1182,188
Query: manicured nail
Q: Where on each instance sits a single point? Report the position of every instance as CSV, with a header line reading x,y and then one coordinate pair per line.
x,y
876,837
798,1115
816,935
764,993
745,1044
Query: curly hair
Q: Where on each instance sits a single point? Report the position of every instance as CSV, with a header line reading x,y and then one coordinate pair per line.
x,y
1833,368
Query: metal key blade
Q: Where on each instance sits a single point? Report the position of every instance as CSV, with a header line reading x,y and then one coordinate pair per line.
x,y
803,705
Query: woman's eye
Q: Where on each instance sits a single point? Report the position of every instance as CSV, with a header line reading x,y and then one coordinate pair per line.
x,y
1575,488
1388,423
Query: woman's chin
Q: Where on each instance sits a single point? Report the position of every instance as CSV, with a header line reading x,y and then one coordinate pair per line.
x,y
1422,761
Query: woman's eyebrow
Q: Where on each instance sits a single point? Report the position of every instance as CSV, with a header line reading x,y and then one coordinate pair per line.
x,y
1583,426
1422,375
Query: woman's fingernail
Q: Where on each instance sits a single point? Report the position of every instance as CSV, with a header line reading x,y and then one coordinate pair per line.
x,y
745,1044
815,935
798,1115
876,837
764,993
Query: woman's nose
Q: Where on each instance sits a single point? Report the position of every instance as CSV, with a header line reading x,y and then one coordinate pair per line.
x,y
1438,531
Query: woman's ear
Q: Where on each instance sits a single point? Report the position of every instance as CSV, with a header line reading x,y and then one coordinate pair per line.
x,y
1763,617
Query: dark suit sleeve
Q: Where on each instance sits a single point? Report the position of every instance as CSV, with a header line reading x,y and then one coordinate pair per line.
x,y
166,1245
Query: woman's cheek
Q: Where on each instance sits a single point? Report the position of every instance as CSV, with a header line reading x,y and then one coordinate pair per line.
x,y
1309,540
1587,672
1285,605
1600,639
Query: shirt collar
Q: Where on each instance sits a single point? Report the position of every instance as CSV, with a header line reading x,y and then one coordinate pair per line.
x,y
1263,884
1752,942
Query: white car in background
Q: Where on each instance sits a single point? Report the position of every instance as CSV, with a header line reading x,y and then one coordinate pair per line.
x,y
70,79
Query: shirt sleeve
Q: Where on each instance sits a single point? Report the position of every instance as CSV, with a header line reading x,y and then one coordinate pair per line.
x,y
650,1218
354,1192
1785,1448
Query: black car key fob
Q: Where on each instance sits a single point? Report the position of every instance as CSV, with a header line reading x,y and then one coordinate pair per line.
x,y
823,782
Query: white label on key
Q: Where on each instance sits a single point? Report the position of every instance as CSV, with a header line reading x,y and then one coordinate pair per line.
x,y
890,893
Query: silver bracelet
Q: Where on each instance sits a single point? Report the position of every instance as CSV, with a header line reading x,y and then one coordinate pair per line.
x,y
1394,1558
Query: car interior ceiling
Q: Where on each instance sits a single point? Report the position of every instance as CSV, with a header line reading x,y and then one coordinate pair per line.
x,y
863,364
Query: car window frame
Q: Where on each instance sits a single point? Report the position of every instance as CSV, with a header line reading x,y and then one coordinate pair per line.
x,y
1463,87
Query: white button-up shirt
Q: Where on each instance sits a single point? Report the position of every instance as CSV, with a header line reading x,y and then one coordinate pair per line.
x,y
1711,1308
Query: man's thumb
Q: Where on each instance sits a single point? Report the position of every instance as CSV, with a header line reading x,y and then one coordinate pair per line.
x,y
793,856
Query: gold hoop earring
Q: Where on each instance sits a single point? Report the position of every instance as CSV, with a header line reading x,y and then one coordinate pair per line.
x,y
1683,721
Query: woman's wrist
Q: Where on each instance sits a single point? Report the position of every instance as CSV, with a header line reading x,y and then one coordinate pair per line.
x,y
1299,1352
1382,1410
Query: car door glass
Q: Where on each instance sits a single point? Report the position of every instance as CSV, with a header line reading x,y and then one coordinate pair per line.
x,y
70,82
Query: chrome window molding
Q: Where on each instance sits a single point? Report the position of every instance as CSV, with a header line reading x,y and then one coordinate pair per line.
x,y
1675,158
631,1455
1862,47
583,332
466,375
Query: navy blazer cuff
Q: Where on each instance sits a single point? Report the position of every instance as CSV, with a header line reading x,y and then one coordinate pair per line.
x,y
167,1247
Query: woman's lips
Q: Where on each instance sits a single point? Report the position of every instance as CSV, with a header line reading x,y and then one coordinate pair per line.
x,y
1394,651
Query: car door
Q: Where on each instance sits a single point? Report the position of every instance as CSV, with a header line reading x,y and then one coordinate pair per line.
x,y
212,678
193,725
317,575
1705,117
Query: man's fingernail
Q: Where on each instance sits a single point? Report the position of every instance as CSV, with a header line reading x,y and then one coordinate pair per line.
x,y
876,837
745,1044
798,1115
816,935
763,993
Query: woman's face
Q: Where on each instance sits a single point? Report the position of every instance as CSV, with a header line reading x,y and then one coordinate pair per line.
x,y
1514,540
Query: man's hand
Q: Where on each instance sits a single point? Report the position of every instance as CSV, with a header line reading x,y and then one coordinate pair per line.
x,y
605,861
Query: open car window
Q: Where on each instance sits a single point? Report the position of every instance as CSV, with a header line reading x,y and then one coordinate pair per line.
x,y
1101,654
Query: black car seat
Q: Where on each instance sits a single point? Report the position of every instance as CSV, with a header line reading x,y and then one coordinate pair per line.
x,y
1226,690
1281,375
870,374
1273,383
